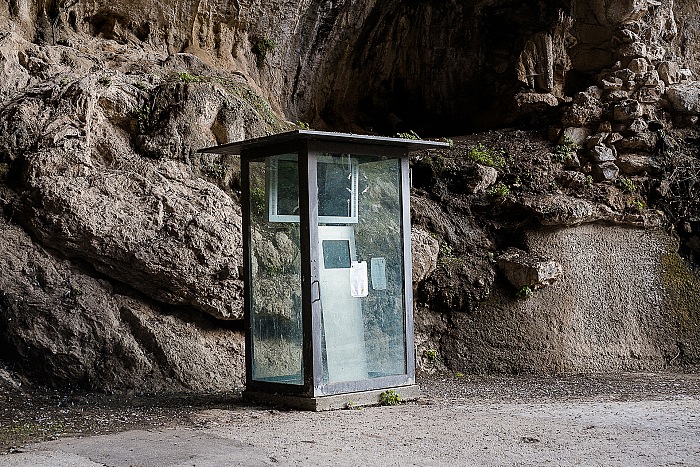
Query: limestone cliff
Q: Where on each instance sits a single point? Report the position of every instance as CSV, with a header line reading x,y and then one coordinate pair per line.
x,y
120,266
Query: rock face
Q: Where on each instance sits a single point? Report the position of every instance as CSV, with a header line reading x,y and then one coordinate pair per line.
x,y
67,327
133,266
593,319
121,244
152,224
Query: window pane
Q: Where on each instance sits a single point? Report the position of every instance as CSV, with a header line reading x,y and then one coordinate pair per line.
x,y
275,273
363,304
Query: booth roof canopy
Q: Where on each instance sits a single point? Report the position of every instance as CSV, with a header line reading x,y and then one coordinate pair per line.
x,y
326,137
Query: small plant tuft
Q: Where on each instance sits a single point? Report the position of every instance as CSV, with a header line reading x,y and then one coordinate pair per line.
x,y
303,125
188,78
409,135
143,115
626,185
500,190
430,354
389,397
524,293
566,150
487,156
216,170
257,203
637,205
261,47
445,250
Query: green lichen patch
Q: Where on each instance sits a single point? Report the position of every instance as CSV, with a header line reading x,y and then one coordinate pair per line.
x,y
682,288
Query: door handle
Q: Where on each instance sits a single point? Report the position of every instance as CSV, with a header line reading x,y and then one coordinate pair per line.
x,y
315,287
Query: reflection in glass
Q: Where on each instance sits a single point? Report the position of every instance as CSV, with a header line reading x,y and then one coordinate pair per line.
x,y
275,276
337,189
363,337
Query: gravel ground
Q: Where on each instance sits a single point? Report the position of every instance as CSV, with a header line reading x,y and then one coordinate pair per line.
x,y
640,418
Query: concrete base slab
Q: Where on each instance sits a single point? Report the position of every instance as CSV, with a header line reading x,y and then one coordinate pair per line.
x,y
332,402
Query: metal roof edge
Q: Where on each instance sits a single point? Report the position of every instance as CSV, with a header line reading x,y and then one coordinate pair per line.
x,y
325,136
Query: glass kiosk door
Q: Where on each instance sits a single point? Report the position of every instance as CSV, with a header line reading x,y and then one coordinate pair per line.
x,y
344,353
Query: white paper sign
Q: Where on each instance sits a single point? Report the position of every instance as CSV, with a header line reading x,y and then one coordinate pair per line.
x,y
379,273
359,286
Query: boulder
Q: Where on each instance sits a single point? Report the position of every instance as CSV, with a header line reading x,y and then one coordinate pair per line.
x,y
425,250
611,83
525,270
607,171
560,210
601,153
669,72
625,36
643,141
633,50
639,125
650,95
617,95
639,66
627,110
586,108
484,178
577,135
632,164
652,78
685,97
531,102
656,53
625,74
595,140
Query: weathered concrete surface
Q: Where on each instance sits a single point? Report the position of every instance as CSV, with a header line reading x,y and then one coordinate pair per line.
x,y
436,433
610,310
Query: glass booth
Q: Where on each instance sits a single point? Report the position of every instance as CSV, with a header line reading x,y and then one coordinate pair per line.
x,y
327,255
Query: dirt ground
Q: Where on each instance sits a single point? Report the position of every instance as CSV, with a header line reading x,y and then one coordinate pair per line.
x,y
642,419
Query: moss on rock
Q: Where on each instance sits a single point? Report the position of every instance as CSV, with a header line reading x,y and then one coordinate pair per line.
x,y
682,289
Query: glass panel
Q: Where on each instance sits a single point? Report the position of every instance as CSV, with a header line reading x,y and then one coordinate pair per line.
x,y
338,181
287,187
275,268
362,298
337,188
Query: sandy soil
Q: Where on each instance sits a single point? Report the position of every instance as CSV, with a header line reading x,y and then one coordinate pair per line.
x,y
642,419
